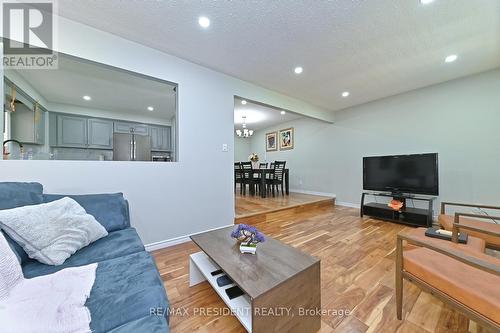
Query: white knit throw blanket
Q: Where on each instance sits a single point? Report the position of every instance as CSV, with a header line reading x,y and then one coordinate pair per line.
x,y
52,303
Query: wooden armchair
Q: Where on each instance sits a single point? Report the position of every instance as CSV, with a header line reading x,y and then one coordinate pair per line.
x,y
459,275
489,231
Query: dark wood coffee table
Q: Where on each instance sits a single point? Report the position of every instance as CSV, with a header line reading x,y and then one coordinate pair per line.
x,y
281,284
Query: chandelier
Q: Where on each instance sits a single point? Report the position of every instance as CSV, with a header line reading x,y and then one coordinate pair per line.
x,y
245,132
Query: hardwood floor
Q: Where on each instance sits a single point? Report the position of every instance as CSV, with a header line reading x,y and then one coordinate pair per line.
x,y
357,274
248,205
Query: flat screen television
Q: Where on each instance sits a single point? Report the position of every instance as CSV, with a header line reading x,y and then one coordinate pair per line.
x,y
416,174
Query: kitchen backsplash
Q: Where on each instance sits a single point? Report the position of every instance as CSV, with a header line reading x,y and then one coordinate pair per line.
x,y
82,154
42,153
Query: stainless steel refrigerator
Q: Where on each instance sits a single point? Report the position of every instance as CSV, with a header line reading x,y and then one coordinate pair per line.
x,y
131,147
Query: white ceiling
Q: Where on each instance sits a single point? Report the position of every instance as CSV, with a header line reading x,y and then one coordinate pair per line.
x,y
110,89
373,48
259,116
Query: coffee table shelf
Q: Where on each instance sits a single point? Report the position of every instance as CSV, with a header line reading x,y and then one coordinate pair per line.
x,y
200,269
278,276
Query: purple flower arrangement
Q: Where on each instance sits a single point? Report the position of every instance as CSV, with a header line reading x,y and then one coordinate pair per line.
x,y
247,234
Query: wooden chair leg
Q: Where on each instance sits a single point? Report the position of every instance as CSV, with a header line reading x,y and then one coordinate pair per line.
x,y
282,192
399,279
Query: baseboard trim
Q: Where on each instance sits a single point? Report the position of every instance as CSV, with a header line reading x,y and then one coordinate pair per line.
x,y
177,240
348,204
324,194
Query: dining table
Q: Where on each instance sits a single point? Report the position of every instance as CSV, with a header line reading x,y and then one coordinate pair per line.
x,y
269,171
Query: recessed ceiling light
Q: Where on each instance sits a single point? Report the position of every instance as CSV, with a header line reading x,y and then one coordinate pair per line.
x,y
203,21
243,102
345,94
451,58
87,97
150,108
426,2
283,112
298,70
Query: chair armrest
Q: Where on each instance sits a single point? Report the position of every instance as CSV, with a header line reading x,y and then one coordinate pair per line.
x,y
457,225
444,204
461,256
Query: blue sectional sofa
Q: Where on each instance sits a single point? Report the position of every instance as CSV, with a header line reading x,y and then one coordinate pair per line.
x,y
128,294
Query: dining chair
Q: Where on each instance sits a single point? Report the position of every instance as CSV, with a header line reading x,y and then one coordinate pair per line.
x,y
263,165
249,178
276,178
238,179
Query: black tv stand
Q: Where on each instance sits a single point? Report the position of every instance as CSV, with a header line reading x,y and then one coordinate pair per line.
x,y
418,217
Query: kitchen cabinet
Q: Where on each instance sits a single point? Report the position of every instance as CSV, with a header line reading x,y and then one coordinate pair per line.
x,y
39,134
28,126
100,133
71,131
160,138
127,128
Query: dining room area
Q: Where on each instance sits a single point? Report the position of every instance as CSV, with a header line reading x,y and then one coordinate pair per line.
x,y
262,173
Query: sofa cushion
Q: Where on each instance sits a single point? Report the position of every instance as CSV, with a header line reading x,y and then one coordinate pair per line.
x,y
111,210
468,285
116,244
125,289
150,324
13,195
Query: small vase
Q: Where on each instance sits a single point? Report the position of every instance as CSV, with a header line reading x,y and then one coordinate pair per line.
x,y
248,248
255,165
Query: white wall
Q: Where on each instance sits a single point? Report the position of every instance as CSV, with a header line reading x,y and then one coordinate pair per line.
x,y
459,119
242,149
167,200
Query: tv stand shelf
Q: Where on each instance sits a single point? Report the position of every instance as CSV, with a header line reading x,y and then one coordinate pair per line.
x,y
418,217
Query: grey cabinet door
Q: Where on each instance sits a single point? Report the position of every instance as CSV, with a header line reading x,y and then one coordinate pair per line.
x,y
100,134
156,138
22,124
160,138
124,127
39,120
166,138
28,126
71,131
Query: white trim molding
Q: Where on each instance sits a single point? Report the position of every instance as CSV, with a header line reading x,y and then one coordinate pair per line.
x,y
348,204
177,240
325,194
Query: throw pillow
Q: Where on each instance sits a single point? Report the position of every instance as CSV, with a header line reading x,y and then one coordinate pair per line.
x,y
51,232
